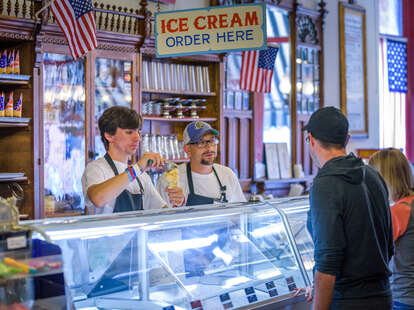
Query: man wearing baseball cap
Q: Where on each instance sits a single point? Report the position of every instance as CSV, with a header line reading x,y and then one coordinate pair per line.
x,y
202,181
349,220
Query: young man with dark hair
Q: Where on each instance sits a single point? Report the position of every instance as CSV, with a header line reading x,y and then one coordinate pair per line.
x,y
201,181
349,220
109,184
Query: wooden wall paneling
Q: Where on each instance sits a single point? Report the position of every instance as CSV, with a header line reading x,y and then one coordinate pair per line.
x,y
233,143
90,106
257,104
244,146
224,142
37,158
293,115
219,90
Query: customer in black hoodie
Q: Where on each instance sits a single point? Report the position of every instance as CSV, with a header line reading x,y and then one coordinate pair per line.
x,y
349,220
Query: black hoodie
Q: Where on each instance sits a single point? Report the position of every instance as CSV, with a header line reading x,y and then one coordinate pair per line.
x,y
347,245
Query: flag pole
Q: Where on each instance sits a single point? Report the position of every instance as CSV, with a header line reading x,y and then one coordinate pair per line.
x,y
43,8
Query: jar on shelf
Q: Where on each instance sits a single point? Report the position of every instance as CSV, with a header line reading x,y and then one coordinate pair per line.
x,y
176,147
146,143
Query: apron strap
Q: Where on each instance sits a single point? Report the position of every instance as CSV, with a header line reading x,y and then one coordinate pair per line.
x,y
113,167
190,179
223,188
191,185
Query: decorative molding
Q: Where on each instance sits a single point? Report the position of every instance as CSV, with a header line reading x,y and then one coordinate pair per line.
x,y
16,36
323,12
307,32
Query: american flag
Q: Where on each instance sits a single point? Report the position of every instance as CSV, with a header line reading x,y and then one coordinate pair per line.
x,y
257,69
76,19
392,95
397,66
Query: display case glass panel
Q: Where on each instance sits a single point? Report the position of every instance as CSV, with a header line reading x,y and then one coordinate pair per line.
x,y
216,256
296,212
63,132
112,87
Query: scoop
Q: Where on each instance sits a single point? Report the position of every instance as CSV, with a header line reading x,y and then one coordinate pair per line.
x,y
168,165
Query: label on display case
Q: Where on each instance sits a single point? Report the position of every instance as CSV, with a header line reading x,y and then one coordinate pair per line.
x,y
196,305
250,294
226,301
271,289
290,281
210,30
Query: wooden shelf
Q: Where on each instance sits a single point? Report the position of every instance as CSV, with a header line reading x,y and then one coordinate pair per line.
x,y
65,214
14,79
310,45
8,180
181,160
14,121
178,92
238,113
185,119
290,180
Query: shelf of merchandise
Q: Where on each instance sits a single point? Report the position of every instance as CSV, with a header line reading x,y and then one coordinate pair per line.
x,y
14,121
179,92
173,119
8,180
14,79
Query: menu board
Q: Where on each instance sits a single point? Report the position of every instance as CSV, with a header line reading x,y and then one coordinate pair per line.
x,y
353,67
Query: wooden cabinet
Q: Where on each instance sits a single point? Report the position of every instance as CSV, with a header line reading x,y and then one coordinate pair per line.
x,y
16,133
177,91
307,78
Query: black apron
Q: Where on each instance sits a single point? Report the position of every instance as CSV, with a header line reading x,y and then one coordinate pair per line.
x,y
194,199
126,201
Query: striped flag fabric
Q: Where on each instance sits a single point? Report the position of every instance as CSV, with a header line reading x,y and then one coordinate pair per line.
x,y
77,21
257,69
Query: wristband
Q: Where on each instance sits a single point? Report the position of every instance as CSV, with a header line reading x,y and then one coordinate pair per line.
x,y
130,176
137,169
132,171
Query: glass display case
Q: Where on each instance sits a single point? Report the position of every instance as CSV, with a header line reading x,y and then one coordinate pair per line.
x,y
207,257
296,211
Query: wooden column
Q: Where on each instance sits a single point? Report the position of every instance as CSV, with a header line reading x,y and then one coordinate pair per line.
x,y
408,11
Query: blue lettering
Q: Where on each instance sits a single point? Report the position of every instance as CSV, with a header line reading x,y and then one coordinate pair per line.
x,y
179,41
230,36
239,34
222,37
206,37
188,40
249,34
170,39
196,39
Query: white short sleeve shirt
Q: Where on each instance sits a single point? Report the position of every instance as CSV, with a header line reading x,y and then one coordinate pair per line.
x,y
99,171
206,184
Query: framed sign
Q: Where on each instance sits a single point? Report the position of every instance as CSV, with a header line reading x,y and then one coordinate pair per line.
x,y
353,61
210,30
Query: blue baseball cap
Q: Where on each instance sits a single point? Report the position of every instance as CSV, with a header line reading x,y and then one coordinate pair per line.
x,y
196,130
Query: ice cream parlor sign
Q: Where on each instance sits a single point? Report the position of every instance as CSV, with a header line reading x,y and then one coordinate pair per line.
x,y
210,30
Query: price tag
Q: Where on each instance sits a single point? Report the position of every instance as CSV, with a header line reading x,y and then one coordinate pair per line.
x,y
290,281
271,289
250,294
196,305
226,301
16,242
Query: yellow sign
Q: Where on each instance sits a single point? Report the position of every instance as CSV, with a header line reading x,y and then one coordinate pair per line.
x,y
210,30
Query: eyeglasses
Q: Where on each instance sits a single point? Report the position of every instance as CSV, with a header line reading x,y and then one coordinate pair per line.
x,y
204,143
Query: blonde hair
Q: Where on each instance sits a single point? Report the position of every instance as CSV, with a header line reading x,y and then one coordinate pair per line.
x,y
395,170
